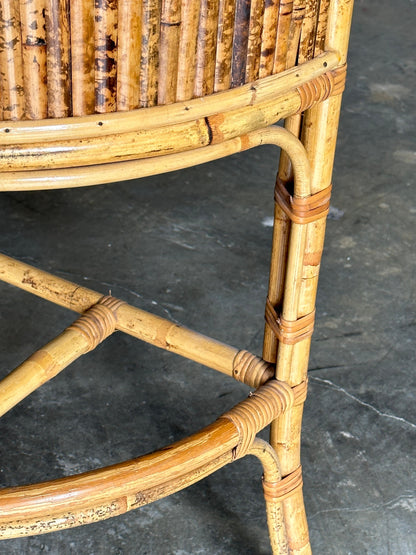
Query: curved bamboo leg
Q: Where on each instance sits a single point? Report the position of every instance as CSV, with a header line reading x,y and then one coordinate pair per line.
x,y
293,291
271,474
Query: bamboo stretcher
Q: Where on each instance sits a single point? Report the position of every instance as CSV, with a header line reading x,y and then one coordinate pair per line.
x,y
140,88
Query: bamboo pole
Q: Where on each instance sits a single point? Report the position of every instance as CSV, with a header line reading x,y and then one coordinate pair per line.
x,y
106,36
58,60
206,48
32,14
11,72
240,42
82,57
226,17
278,87
187,50
128,56
319,137
170,23
149,63
82,336
41,367
136,322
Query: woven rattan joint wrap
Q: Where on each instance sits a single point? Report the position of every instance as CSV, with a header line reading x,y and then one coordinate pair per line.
x,y
286,331
251,369
255,413
278,491
99,321
300,391
321,88
302,210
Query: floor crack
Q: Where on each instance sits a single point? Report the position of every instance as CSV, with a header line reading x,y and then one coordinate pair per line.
x,y
401,500
336,387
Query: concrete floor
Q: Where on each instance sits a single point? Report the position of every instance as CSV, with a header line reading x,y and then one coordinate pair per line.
x,y
194,245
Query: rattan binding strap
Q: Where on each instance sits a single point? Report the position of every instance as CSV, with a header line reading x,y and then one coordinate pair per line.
x,y
302,210
287,331
251,369
255,413
331,83
99,321
278,491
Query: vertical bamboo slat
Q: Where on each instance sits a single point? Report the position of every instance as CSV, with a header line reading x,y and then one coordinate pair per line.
x,y
298,14
206,48
282,35
149,62
58,58
292,123
308,31
321,27
11,84
105,55
170,23
128,57
82,57
240,42
187,50
268,38
226,17
32,14
254,40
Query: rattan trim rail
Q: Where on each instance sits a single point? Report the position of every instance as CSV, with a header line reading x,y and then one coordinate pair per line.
x,y
83,127
155,142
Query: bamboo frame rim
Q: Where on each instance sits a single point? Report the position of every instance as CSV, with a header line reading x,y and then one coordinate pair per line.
x,y
81,127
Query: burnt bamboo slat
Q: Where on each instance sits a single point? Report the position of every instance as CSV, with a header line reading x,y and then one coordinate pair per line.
x,y
268,40
254,41
149,60
82,57
187,50
224,53
11,63
58,58
170,22
106,35
92,90
128,56
282,35
240,42
33,29
206,48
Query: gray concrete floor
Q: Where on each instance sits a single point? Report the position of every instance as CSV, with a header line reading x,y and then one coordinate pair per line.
x,y
194,246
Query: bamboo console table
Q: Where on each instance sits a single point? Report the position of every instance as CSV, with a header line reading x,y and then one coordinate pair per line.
x,y
94,91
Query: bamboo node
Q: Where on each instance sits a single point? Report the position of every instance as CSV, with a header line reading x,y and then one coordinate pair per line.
x,y
284,488
255,413
302,210
289,331
251,369
98,322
